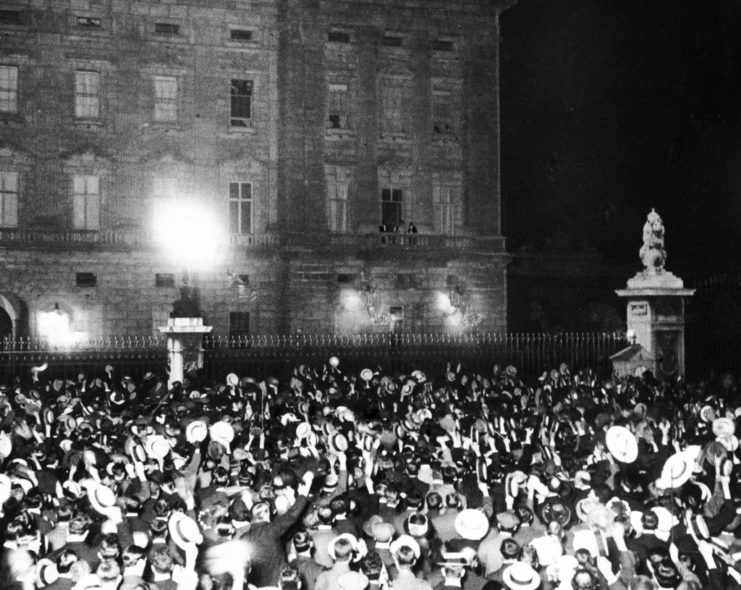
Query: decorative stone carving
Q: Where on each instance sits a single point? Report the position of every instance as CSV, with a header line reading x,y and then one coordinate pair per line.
x,y
653,253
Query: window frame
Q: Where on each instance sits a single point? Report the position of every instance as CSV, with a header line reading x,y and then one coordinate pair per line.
x,y
11,194
392,190
239,201
11,89
166,107
338,198
239,121
86,199
87,99
338,105
237,320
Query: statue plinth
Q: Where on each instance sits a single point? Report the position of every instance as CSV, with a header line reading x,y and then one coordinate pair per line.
x,y
656,304
656,317
184,338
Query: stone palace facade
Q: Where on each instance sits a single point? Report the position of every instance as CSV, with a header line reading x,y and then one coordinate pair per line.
x,y
305,127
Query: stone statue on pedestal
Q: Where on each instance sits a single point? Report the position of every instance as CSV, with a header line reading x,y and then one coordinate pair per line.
x,y
187,306
653,253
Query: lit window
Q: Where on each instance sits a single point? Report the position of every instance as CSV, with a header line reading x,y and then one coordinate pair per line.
x,y
240,207
86,202
446,196
165,99
241,103
8,199
8,89
391,208
337,189
337,106
87,94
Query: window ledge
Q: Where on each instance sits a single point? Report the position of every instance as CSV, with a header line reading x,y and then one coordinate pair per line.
x,y
395,137
235,130
333,132
162,126
89,122
445,138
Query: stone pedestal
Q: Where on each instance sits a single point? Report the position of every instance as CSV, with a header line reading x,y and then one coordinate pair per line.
x,y
656,317
184,337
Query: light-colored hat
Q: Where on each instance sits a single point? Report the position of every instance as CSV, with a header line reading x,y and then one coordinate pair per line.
x,y
707,413
382,532
196,431
729,442
366,374
222,432
157,446
622,444
348,537
471,524
676,471
5,486
724,427
88,582
548,548
406,541
101,497
46,572
232,379
562,569
6,445
338,442
334,361
184,530
585,506
521,576
303,429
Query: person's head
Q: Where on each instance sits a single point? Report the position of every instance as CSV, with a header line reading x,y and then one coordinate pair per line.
x,y
261,512
434,501
302,543
584,579
343,549
108,548
510,550
372,565
132,555
289,579
65,560
158,528
666,574
220,476
109,573
161,560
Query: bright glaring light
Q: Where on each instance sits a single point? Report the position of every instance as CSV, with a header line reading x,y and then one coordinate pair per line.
x,y
54,327
443,303
190,234
351,300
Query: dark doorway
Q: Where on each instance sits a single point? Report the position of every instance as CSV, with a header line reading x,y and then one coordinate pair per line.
x,y
6,324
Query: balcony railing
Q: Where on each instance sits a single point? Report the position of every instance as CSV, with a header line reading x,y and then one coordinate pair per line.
x,y
131,238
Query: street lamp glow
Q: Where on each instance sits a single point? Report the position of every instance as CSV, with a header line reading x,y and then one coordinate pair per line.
x,y
189,233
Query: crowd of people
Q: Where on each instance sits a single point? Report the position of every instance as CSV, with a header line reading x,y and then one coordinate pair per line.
x,y
325,480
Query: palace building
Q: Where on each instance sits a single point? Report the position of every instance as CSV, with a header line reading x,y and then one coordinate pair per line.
x,y
316,165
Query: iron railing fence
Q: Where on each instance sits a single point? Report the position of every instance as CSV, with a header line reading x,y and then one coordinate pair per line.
x,y
260,356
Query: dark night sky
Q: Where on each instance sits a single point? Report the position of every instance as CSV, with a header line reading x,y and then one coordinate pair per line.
x,y
611,107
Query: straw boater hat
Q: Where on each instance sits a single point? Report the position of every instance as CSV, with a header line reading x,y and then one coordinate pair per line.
x,y
622,444
338,442
184,530
521,576
46,572
676,471
406,541
471,524
222,432
157,447
196,431
724,427
101,498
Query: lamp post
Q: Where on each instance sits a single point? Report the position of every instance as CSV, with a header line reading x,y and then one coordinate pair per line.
x,y
189,235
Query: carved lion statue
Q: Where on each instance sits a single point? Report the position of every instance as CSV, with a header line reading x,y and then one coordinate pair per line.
x,y
653,253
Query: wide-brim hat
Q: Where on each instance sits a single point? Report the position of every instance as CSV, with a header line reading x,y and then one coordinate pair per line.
x,y
303,429
382,532
184,530
46,572
729,442
338,442
157,447
676,471
138,453
196,431
585,506
101,498
406,541
521,576
5,487
370,523
724,427
622,444
232,379
366,374
471,524
707,413
334,361
6,445
222,431
350,538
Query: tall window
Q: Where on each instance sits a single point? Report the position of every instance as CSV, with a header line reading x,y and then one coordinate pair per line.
x,y
8,199
445,197
391,207
87,94
86,202
241,103
240,208
8,89
239,323
442,113
337,188
394,97
337,107
165,99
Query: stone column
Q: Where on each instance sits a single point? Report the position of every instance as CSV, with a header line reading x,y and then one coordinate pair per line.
x,y
655,299
184,337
